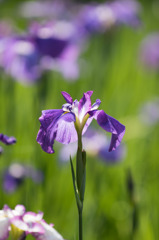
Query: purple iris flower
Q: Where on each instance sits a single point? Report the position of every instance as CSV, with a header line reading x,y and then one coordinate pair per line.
x,y
15,175
126,12
96,18
7,140
114,156
61,124
57,46
100,17
20,59
39,9
149,51
52,46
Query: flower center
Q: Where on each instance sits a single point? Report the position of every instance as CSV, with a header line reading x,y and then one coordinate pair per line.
x,y
67,107
80,118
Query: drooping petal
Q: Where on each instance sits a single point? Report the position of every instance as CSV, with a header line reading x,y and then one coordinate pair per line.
x,y
66,132
110,124
19,223
84,104
7,140
45,141
4,226
47,132
50,233
49,117
67,97
32,217
35,228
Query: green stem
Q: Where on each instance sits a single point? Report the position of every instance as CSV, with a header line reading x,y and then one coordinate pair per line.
x,y
80,223
80,141
80,180
80,169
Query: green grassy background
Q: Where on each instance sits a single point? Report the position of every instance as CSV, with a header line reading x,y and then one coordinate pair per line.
x,y
111,69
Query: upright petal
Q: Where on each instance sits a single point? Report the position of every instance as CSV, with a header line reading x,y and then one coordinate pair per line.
x,y
67,97
84,104
48,128
87,124
110,124
96,105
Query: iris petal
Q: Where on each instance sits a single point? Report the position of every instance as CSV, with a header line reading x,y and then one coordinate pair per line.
x,y
7,140
55,125
110,124
66,131
96,105
67,97
47,132
4,225
84,104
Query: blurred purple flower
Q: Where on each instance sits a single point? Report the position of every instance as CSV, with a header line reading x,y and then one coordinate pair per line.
x,y
20,59
149,51
95,18
15,175
7,140
149,112
5,28
114,156
95,144
57,45
59,124
100,17
50,46
39,9
126,12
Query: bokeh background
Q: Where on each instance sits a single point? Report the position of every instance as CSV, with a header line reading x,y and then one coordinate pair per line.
x,y
121,198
